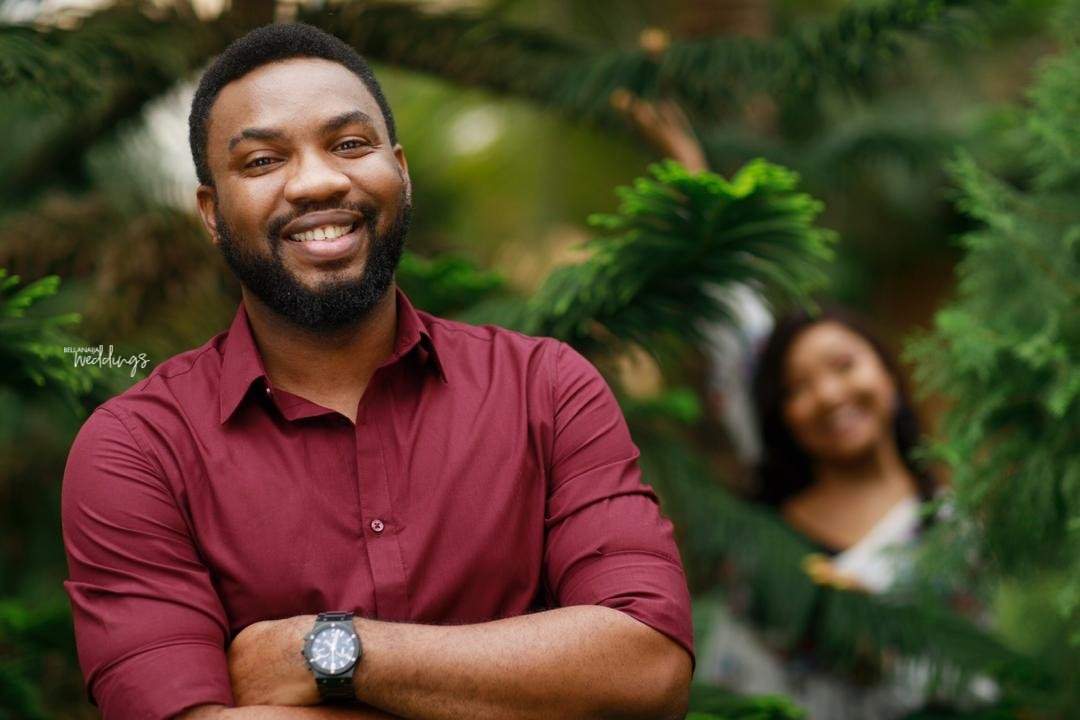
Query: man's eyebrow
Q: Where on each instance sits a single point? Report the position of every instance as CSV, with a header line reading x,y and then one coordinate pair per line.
x,y
346,118
335,123
255,134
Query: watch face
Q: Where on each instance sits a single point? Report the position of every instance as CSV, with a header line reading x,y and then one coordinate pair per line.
x,y
333,650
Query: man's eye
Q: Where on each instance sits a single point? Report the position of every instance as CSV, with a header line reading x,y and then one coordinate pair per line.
x,y
259,162
350,145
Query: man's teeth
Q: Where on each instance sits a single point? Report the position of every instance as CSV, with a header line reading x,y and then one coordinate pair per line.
x,y
327,232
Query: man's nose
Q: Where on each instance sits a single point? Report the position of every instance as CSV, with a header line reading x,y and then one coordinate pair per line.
x,y
316,179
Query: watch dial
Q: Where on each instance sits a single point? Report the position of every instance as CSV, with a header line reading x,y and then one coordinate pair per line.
x,y
333,650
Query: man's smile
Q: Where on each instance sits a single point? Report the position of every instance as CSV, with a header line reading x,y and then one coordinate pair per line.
x,y
340,243
324,232
321,220
326,235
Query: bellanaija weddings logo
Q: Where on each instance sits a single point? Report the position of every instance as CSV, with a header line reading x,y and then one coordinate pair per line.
x,y
107,358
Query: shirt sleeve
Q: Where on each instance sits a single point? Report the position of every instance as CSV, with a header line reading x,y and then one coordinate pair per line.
x,y
606,542
149,627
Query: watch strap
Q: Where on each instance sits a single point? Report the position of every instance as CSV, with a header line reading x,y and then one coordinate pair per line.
x,y
336,687
334,617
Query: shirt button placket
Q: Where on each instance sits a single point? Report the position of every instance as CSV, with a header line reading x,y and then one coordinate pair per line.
x,y
374,479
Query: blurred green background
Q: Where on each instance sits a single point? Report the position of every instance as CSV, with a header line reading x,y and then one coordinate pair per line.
x,y
895,114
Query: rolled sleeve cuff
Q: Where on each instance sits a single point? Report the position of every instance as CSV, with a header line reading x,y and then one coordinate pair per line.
x,y
649,587
161,682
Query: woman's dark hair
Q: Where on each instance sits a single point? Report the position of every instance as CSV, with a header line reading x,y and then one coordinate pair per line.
x,y
785,469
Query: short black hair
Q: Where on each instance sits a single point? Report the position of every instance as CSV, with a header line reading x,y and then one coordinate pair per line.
x,y
259,47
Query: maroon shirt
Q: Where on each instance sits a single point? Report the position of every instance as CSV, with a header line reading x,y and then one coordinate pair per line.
x,y
488,474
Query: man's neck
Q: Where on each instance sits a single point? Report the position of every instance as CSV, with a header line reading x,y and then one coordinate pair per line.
x,y
319,366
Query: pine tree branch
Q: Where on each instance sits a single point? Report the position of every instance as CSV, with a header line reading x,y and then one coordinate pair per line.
x,y
708,77
1006,352
32,356
77,85
652,275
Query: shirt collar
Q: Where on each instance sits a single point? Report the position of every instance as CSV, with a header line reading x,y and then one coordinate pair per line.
x,y
242,364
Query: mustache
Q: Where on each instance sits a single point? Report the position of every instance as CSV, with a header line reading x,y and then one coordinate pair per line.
x,y
367,211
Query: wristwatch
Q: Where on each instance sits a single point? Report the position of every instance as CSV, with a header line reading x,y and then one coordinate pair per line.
x,y
332,650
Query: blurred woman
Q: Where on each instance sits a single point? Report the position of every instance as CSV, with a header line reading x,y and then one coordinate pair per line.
x,y
837,460
838,436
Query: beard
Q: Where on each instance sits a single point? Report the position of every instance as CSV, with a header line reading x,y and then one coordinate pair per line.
x,y
333,304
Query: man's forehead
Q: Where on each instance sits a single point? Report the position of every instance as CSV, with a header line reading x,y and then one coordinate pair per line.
x,y
287,93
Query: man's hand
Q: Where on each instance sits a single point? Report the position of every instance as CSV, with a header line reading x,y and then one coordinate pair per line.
x,y
266,666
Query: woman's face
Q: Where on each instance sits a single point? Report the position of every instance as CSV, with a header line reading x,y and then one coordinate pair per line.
x,y
840,399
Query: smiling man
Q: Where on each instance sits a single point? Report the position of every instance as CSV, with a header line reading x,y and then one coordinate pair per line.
x,y
344,507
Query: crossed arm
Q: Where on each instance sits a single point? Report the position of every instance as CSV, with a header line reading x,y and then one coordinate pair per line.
x,y
573,662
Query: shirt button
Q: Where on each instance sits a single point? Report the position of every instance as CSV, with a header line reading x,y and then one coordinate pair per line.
x,y
377,525
269,392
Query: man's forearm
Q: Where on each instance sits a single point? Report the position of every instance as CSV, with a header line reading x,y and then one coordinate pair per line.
x,y
575,662
278,712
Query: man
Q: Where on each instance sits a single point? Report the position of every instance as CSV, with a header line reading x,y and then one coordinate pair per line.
x,y
467,497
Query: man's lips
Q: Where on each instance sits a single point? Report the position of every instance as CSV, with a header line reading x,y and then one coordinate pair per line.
x,y
321,219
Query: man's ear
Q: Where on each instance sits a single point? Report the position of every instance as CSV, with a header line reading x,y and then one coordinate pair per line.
x,y
206,196
403,163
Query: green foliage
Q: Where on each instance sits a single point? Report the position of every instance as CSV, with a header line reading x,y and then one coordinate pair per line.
x,y
77,82
1011,360
33,364
1007,353
480,50
676,237
708,76
28,638
447,284
32,357
849,52
66,89
67,67
710,702
990,713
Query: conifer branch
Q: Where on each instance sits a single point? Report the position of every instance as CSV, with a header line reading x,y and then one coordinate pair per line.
x,y
706,76
65,89
676,236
